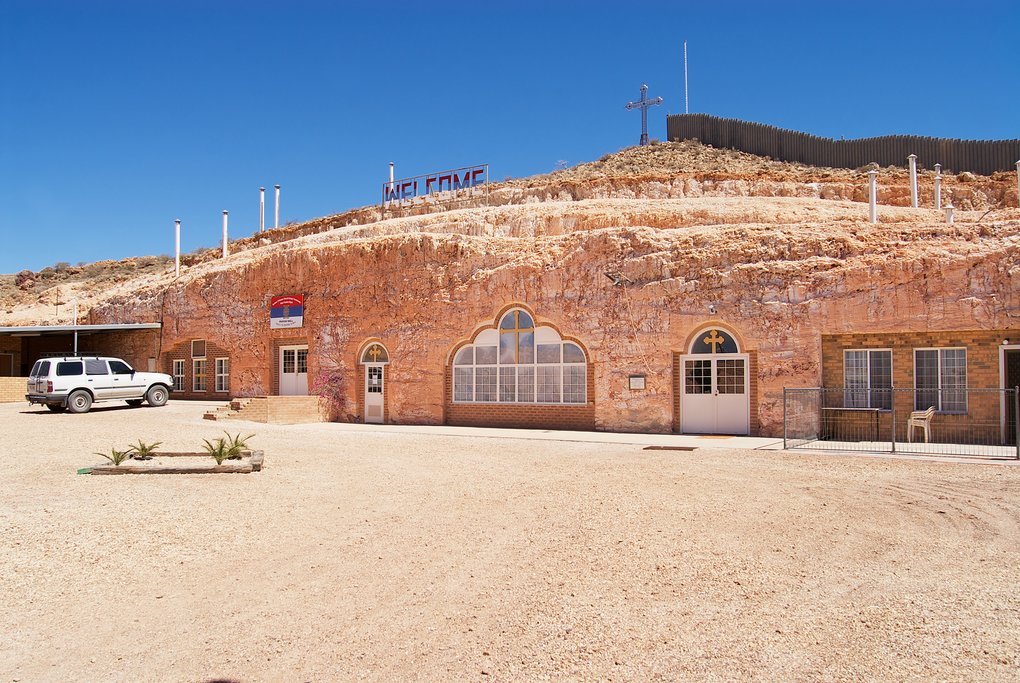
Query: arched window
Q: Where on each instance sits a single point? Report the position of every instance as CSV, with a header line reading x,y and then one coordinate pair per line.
x,y
520,362
714,340
375,353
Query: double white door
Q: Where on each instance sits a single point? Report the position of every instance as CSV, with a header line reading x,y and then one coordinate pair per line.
x,y
293,371
714,394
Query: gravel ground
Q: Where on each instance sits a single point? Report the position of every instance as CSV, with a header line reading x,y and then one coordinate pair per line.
x,y
403,556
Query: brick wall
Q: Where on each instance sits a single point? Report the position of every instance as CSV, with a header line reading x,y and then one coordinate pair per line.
x,y
182,351
982,353
984,410
12,389
10,357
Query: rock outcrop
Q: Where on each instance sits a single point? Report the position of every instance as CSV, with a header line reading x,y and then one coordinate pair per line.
x,y
781,254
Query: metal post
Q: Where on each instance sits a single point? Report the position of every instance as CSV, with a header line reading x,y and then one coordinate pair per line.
x,y
276,211
938,187
687,109
262,209
177,248
224,233
913,179
949,213
76,327
872,196
892,402
1016,419
1018,183
784,403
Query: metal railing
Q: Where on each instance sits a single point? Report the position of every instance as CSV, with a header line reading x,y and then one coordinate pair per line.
x,y
973,422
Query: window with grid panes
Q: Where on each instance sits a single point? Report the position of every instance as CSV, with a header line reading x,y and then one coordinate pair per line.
x,y
178,374
940,380
198,375
867,378
222,374
520,362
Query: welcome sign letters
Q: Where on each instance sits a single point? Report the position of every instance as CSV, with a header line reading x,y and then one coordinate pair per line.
x,y
445,181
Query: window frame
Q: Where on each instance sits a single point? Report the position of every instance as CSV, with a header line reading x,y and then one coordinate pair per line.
x,y
849,392
940,388
177,376
225,375
196,376
497,369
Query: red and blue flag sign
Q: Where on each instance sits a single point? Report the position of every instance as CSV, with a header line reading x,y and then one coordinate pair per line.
x,y
286,311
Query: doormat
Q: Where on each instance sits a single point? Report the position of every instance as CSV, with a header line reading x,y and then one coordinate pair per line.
x,y
670,448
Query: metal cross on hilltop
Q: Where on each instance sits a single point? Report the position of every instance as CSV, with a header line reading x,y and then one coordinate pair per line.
x,y
643,105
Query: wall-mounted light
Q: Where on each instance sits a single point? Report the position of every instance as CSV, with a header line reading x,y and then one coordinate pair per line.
x,y
711,309
1005,342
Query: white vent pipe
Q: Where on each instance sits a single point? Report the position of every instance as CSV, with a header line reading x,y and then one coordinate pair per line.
x,y
938,187
913,179
262,209
177,248
872,196
276,210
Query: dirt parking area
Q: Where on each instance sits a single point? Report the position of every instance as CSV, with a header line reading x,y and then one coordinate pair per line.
x,y
382,556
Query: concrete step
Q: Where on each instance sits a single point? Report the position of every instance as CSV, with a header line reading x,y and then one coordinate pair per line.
x,y
269,409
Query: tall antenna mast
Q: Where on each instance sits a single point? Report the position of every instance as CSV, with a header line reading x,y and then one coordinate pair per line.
x,y
686,109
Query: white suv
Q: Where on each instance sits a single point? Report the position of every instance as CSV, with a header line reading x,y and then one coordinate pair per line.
x,y
74,383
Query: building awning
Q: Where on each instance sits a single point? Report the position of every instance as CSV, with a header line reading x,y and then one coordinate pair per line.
x,y
40,330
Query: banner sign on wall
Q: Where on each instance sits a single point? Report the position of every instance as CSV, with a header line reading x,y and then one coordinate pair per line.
x,y
286,311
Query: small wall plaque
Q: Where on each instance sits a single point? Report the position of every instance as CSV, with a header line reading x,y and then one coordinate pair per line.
x,y
637,381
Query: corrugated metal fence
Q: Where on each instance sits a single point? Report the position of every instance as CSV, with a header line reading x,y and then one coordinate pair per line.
x,y
978,156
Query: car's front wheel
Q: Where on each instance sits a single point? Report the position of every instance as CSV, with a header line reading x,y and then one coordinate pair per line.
x,y
79,402
157,395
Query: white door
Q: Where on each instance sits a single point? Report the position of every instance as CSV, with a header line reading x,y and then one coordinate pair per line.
x,y
293,371
375,388
714,397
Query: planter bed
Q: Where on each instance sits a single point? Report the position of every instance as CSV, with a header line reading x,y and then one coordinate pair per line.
x,y
171,463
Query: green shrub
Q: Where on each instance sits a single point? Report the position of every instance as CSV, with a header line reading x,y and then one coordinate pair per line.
x,y
218,449
115,456
236,445
143,451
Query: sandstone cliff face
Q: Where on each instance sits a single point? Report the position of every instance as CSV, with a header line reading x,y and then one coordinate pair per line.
x,y
781,253
778,272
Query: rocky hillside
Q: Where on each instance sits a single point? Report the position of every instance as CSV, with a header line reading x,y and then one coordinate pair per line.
x,y
661,187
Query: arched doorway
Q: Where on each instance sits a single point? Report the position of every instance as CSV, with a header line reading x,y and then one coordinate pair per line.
x,y
374,359
714,385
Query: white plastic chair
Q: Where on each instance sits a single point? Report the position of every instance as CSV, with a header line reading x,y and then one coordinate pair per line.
x,y
922,419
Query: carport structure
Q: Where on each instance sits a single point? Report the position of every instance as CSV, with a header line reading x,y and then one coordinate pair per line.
x,y
21,346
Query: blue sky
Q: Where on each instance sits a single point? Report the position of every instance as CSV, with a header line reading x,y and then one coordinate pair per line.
x,y
118,117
